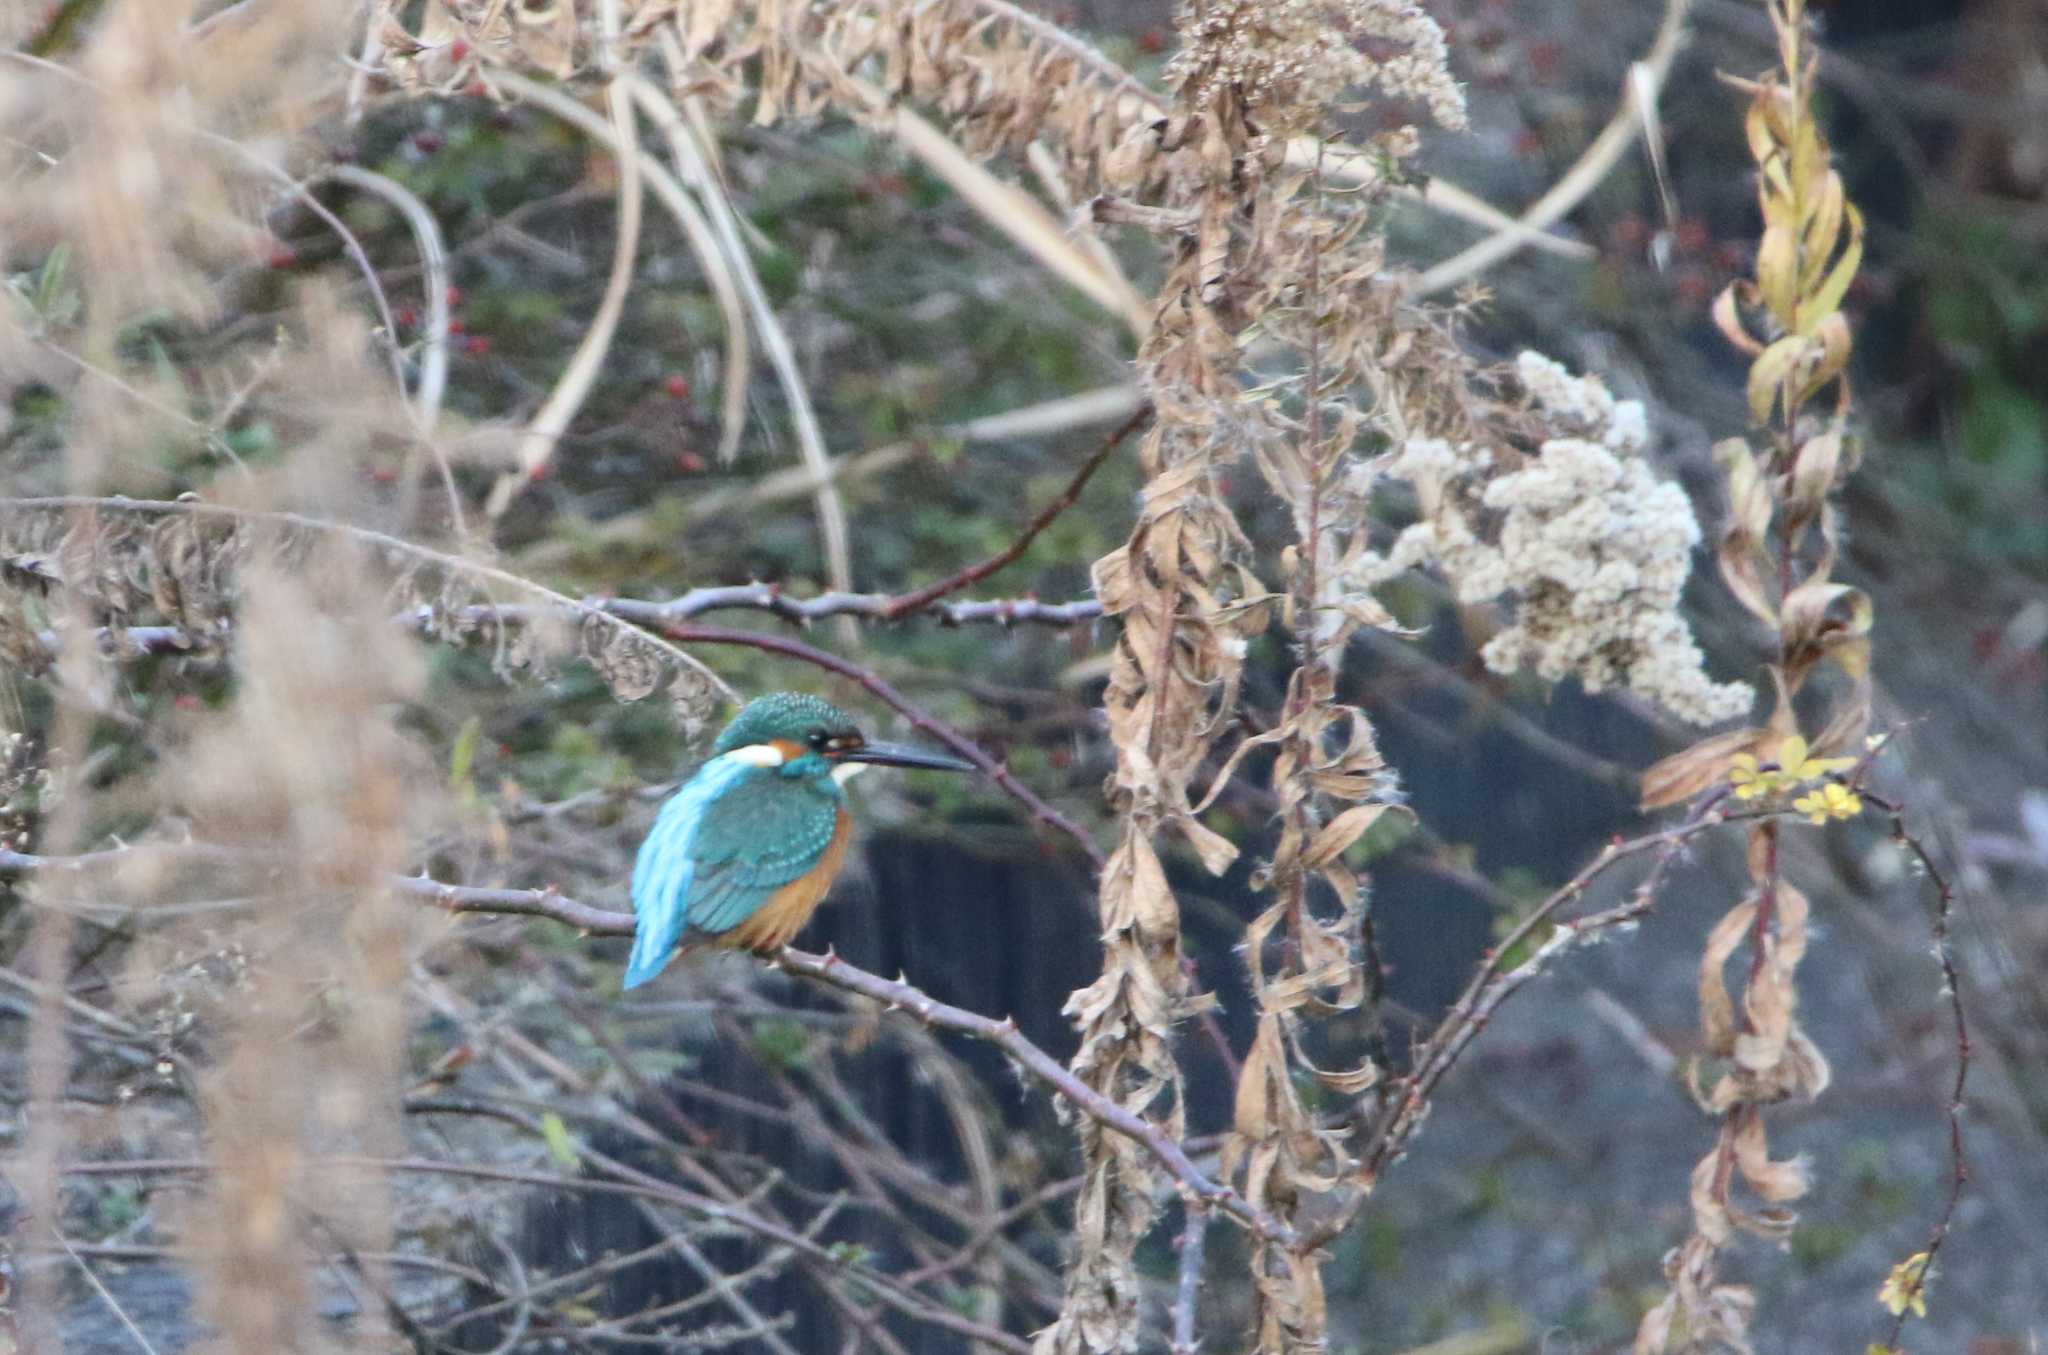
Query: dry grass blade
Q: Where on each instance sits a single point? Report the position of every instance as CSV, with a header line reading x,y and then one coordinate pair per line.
x,y
537,444
697,230
1639,93
694,166
433,383
1017,214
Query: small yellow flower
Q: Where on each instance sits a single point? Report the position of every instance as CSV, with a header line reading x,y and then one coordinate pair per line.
x,y
1906,1286
1747,780
1831,801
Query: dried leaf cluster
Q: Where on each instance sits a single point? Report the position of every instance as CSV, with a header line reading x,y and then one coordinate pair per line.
x,y
1777,556
169,578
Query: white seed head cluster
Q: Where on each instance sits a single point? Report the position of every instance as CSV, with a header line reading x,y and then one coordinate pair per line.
x,y
1291,59
1591,550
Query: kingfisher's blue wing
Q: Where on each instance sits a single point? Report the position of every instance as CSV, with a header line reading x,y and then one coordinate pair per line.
x,y
720,847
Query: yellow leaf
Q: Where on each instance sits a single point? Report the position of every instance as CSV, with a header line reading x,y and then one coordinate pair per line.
x,y
1817,239
1768,374
1815,468
1777,272
1729,320
1906,1286
1826,357
1823,300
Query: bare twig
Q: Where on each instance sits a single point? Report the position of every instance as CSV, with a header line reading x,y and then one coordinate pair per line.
x,y
953,583
1951,987
1492,985
621,1180
106,1296
392,546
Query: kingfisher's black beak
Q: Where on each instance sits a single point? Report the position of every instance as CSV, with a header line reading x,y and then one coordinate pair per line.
x,y
901,755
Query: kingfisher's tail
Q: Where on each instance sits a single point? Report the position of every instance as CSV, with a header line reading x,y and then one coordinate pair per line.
x,y
651,953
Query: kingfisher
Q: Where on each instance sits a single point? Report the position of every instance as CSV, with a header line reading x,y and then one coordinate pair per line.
x,y
745,850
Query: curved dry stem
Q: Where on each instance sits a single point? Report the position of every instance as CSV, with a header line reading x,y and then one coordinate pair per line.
x,y
696,229
1645,78
433,383
1016,214
692,163
537,447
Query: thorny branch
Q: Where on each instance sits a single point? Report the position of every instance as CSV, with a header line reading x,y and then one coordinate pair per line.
x,y
1951,987
828,969
1492,984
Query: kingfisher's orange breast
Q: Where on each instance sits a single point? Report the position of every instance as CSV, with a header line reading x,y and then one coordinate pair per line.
x,y
771,926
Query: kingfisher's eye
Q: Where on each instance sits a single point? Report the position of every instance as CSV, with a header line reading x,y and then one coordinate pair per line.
x,y
819,738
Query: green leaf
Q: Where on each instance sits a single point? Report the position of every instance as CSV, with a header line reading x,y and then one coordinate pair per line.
x,y
560,1146
462,757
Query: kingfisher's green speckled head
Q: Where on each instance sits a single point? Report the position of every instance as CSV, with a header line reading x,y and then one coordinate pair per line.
x,y
800,727
791,717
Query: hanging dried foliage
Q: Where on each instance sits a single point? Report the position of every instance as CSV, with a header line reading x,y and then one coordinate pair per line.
x,y
168,577
1776,556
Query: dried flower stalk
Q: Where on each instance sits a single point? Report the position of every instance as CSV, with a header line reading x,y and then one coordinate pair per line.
x,y
1776,556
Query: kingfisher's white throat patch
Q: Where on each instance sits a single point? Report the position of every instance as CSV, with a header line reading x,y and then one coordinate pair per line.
x,y
758,755
846,771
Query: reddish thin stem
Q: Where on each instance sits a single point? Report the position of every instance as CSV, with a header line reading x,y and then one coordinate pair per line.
x,y
921,598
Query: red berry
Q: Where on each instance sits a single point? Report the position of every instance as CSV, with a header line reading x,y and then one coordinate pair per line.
x,y
407,318
477,346
282,256
1152,41
455,325
476,89
1691,235
677,386
426,142
454,296
458,50
185,701
690,462
1630,233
